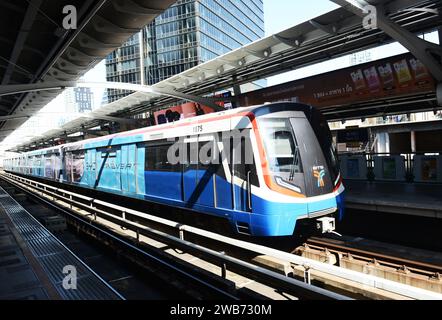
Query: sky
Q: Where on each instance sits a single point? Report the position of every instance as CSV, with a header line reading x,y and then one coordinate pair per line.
x,y
283,14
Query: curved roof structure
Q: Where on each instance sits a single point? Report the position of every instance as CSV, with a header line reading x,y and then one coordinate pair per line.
x,y
331,35
34,46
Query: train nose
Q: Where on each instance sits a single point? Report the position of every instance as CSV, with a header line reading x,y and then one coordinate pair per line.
x,y
322,208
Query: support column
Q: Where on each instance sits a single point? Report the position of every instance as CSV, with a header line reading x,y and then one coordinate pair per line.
x,y
237,90
428,53
439,85
413,141
387,143
237,93
141,46
383,142
439,94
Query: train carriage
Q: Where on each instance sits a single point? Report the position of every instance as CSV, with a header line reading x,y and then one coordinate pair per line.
x,y
265,169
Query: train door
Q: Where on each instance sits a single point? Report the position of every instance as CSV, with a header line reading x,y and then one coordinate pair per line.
x,y
57,167
223,182
48,165
140,155
206,177
123,170
118,168
244,172
91,167
131,168
69,161
199,171
108,171
98,168
189,171
127,167
206,171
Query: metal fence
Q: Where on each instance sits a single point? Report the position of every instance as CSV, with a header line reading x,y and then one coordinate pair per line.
x,y
410,167
125,217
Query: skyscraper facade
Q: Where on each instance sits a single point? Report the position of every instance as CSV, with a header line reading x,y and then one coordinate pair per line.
x,y
187,34
78,100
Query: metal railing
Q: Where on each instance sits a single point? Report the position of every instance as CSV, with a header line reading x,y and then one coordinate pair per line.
x,y
123,217
408,158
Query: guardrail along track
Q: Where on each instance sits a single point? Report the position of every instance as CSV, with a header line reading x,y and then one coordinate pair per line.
x,y
92,212
381,258
256,270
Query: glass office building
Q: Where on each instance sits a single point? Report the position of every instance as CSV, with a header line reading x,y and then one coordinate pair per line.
x,y
188,33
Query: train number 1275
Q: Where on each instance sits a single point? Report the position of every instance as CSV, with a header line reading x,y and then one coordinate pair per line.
x,y
198,129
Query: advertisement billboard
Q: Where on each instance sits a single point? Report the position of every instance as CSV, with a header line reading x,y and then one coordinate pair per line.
x,y
394,76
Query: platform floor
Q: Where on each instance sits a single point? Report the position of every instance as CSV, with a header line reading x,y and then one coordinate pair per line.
x,y
32,261
395,197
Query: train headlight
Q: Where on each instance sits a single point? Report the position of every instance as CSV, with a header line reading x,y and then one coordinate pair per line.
x,y
281,182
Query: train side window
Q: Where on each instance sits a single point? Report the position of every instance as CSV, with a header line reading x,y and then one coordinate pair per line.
x,y
156,159
75,165
49,170
38,164
246,162
57,166
108,154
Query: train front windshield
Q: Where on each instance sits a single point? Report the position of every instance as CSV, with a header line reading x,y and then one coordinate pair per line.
x,y
300,154
281,147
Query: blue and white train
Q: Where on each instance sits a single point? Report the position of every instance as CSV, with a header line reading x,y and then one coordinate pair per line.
x,y
292,176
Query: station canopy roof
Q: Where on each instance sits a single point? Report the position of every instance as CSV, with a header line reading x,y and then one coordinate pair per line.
x,y
35,46
331,35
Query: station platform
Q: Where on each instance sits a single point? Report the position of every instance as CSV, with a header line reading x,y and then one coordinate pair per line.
x,y
414,199
32,261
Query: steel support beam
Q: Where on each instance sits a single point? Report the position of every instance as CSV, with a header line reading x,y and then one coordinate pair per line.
x,y
22,88
14,116
86,13
28,21
109,118
428,53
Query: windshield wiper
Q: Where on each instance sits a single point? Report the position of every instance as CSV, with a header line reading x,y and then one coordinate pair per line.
x,y
294,164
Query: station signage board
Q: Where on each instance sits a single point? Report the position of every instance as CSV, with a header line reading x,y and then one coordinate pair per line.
x,y
353,135
395,76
